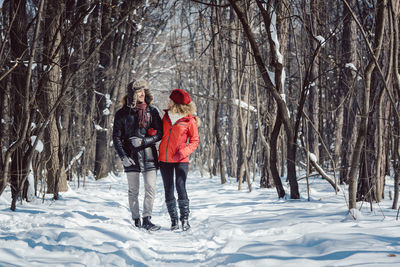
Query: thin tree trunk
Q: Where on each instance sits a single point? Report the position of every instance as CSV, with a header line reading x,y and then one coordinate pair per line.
x,y
51,88
234,37
396,163
105,70
345,115
314,86
395,10
218,82
362,131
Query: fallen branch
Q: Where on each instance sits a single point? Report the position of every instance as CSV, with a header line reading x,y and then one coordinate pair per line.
x,y
319,169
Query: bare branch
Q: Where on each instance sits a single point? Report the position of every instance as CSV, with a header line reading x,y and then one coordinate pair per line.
x,y
210,4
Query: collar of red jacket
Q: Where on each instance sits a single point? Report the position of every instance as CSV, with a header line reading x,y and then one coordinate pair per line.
x,y
186,118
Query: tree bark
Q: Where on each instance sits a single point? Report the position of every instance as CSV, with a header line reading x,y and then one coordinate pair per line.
x,y
314,86
362,131
105,71
234,38
218,82
345,119
51,88
395,10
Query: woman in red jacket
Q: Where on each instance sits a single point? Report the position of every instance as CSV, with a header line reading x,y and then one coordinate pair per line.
x,y
179,126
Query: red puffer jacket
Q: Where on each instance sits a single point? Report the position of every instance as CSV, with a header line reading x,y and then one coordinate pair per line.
x,y
173,147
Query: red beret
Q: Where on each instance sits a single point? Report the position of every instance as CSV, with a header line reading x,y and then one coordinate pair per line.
x,y
180,96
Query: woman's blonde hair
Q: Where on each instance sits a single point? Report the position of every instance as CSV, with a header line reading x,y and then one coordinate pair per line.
x,y
181,109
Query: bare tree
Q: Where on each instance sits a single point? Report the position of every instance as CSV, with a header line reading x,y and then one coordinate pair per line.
x,y
346,104
365,108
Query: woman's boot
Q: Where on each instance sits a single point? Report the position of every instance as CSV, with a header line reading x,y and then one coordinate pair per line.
x,y
184,210
173,213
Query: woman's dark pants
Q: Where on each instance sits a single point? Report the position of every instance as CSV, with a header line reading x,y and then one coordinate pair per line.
x,y
167,172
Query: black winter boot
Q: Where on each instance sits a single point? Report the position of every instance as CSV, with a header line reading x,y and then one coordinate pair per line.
x,y
173,213
184,210
138,224
148,225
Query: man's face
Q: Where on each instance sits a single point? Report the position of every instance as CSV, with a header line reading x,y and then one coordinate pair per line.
x,y
140,95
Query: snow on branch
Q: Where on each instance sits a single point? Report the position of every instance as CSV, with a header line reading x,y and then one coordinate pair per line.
x,y
99,128
274,36
244,105
39,146
313,160
271,76
78,156
351,66
321,40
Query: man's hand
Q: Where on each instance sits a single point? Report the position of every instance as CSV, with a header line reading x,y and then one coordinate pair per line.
x,y
136,141
127,161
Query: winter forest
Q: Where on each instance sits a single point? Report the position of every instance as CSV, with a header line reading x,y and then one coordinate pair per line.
x,y
286,90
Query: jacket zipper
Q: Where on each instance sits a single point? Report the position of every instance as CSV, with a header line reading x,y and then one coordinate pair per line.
x,y
166,149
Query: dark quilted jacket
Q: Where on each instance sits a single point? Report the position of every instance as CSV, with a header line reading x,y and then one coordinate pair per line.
x,y
126,125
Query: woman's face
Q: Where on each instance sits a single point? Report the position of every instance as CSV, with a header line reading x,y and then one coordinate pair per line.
x,y
170,104
140,96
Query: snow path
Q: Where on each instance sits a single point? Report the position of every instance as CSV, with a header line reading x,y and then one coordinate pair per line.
x,y
91,226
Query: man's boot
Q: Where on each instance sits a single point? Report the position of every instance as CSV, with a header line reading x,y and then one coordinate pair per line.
x,y
138,224
184,210
148,225
173,213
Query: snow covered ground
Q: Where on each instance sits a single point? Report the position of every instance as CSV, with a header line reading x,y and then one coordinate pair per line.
x,y
91,226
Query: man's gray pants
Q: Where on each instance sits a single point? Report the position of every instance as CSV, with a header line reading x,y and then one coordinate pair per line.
x,y
133,192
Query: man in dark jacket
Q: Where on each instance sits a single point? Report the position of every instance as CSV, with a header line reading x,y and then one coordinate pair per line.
x,y
137,128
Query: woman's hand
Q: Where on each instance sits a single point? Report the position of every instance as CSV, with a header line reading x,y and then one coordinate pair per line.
x,y
178,155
